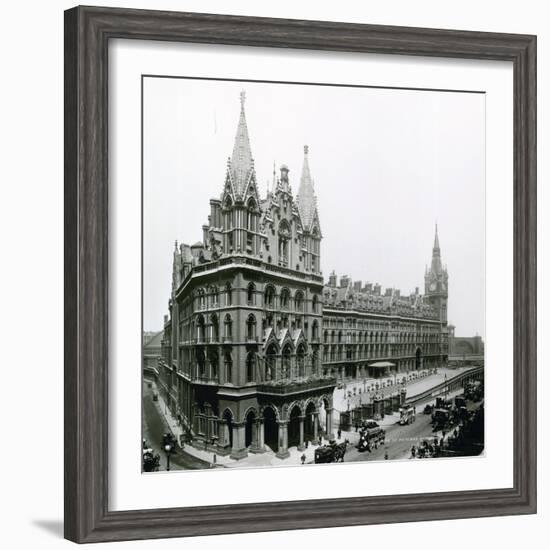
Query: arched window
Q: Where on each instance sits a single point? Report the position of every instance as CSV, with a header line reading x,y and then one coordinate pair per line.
x,y
299,301
214,296
201,363
228,327
251,328
269,296
214,362
270,362
314,304
285,298
202,298
228,363
201,329
286,361
251,215
315,330
250,364
215,328
251,290
300,361
284,238
228,294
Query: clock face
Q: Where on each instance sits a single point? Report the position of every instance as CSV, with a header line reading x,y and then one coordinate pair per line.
x,y
432,286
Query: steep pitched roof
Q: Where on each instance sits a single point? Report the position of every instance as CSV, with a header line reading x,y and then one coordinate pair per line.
x,y
307,201
241,163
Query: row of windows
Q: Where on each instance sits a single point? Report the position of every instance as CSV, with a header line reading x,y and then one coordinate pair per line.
x,y
211,331
273,367
354,337
210,298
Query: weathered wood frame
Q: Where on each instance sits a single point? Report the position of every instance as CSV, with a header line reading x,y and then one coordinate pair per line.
x,y
87,34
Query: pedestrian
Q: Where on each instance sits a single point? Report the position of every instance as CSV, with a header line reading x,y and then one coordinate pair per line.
x,y
356,427
340,433
320,440
307,443
386,455
303,459
413,452
214,459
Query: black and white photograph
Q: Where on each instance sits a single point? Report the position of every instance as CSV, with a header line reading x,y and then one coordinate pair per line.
x,y
313,274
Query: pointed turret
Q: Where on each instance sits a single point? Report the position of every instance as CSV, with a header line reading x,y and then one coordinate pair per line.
x,y
436,267
307,202
241,164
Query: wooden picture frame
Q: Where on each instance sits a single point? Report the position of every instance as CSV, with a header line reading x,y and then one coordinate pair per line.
x,y
87,34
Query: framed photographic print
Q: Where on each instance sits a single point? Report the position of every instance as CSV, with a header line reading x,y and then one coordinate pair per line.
x,y
300,274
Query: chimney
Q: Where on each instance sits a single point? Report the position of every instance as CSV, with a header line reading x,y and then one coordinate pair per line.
x,y
344,281
388,292
332,279
368,287
357,286
377,289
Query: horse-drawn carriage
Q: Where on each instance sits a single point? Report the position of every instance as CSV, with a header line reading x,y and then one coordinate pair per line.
x,y
151,460
441,419
333,452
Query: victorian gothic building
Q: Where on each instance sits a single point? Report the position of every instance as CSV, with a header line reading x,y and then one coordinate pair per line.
x,y
255,341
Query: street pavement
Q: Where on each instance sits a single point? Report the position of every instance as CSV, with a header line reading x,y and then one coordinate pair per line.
x,y
155,426
399,440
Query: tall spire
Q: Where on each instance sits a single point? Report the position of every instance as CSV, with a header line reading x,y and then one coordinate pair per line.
x,y
307,203
241,163
436,255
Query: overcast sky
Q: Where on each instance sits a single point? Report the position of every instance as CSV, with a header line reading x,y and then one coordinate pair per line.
x,y
387,164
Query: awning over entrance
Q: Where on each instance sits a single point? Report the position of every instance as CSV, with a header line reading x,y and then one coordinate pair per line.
x,y
380,368
382,365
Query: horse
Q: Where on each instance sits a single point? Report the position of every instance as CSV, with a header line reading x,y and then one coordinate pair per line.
x,y
340,451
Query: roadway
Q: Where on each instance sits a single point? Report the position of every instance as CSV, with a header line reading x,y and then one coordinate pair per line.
x,y
154,427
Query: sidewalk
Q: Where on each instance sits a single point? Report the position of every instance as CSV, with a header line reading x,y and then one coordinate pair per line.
x,y
251,461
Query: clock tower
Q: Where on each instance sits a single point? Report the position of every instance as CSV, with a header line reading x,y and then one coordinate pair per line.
x,y
436,282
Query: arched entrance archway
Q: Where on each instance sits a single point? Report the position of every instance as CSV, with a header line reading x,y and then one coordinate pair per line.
x,y
418,359
294,427
310,433
271,429
249,430
228,421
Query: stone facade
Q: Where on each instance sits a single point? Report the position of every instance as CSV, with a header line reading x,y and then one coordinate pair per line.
x,y
255,342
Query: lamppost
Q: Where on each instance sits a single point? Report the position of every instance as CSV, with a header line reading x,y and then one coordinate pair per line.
x,y
168,451
445,386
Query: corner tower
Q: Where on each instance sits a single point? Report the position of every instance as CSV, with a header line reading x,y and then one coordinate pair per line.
x,y
436,282
309,215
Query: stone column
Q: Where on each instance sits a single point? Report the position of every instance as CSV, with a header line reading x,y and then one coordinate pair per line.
x,y
330,434
283,439
238,450
257,445
223,438
315,426
301,445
